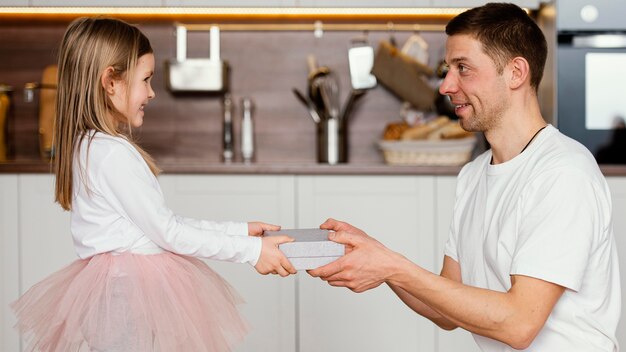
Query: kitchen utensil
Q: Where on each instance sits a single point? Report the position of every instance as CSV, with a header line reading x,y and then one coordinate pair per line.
x,y
308,104
403,76
198,74
316,74
247,131
355,95
361,60
331,142
5,103
227,130
329,90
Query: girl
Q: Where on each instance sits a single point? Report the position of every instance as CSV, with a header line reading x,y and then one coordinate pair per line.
x,y
137,286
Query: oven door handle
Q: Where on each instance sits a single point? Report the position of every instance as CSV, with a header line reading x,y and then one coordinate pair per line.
x,y
600,41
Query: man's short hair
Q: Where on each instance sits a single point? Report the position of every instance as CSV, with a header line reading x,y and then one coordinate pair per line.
x,y
505,31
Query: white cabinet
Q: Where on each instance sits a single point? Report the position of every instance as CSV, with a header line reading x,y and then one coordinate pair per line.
x,y
270,300
363,3
97,3
234,3
9,275
531,4
409,214
397,210
45,240
618,191
445,186
14,3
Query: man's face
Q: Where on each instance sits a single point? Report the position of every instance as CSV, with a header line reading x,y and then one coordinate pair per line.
x,y
478,92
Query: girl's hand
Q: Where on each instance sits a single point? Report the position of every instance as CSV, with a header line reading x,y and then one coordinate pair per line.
x,y
256,228
272,260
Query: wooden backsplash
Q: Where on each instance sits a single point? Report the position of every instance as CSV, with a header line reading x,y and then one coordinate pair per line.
x,y
265,66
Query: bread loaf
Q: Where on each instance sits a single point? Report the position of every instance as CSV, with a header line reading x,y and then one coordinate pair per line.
x,y
451,130
394,130
422,131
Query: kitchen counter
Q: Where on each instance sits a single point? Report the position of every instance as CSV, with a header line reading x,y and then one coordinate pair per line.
x,y
196,167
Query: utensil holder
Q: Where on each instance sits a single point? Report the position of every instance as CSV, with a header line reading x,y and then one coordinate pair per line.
x,y
332,142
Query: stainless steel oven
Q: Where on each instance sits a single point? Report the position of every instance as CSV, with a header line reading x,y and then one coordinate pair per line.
x,y
591,76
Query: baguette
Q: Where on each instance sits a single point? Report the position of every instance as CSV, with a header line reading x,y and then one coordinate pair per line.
x,y
422,131
451,130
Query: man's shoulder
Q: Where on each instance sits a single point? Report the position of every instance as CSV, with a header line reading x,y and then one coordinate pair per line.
x,y
562,152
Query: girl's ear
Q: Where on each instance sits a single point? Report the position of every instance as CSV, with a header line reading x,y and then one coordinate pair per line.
x,y
107,80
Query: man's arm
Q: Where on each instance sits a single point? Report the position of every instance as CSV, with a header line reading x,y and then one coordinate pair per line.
x,y
450,270
514,317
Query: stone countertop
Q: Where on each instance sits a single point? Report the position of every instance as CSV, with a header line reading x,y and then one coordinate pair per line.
x,y
197,167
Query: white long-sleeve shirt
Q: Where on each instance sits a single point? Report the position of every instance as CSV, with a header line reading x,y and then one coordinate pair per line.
x,y
118,206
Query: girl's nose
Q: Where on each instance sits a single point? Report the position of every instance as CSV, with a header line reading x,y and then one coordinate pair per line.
x,y
151,93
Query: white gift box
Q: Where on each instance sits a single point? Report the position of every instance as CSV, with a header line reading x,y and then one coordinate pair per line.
x,y
311,248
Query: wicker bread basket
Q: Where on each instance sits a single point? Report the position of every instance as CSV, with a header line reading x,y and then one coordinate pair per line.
x,y
428,152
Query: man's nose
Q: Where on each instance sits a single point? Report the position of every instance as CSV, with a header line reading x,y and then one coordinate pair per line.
x,y
448,86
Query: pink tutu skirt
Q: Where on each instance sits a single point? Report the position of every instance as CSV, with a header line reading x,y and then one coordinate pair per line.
x,y
131,302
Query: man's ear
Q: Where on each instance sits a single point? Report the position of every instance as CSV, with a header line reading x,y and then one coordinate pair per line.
x,y
520,72
107,80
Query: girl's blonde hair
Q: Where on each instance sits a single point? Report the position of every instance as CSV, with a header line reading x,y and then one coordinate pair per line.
x,y
88,48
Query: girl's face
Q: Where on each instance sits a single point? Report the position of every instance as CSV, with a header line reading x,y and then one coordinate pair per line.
x,y
132,105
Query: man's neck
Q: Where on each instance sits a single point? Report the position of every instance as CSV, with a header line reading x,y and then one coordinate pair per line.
x,y
515,131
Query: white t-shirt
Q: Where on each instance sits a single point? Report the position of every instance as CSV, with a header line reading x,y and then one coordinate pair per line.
x,y
118,206
545,214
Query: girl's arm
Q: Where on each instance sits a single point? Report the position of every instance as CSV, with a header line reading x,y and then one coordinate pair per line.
x,y
130,188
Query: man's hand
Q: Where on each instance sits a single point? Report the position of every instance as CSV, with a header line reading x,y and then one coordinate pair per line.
x,y
365,265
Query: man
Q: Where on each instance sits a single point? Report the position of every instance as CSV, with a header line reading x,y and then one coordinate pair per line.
x,y
531,261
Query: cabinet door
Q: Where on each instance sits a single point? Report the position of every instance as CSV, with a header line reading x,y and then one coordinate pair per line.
x,y
270,300
531,4
15,3
233,3
97,3
458,339
618,192
397,210
46,242
9,270
363,3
